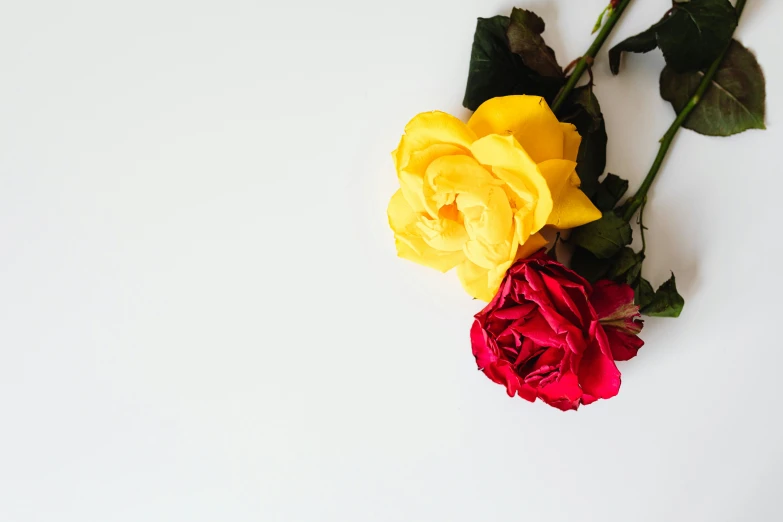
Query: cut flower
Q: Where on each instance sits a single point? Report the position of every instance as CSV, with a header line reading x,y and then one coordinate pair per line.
x,y
475,196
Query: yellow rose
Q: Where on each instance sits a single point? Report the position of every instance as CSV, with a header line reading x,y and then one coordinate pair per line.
x,y
475,196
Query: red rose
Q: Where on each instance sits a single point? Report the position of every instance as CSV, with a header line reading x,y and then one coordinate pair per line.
x,y
549,334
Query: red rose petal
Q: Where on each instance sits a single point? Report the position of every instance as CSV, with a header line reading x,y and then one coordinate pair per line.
x,y
608,297
613,303
498,370
564,393
624,346
598,375
561,300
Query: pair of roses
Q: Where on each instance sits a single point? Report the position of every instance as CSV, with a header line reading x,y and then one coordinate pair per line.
x,y
475,197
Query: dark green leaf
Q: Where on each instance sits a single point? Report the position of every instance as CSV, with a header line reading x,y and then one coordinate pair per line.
x,y
591,161
496,71
696,32
666,302
588,266
643,293
582,102
734,102
641,43
583,110
626,266
692,35
609,192
493,68
524,38
605,237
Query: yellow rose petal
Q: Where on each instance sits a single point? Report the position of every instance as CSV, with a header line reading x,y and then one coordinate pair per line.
x,y
443,234
401,215
571,207
571,141
455,174
432,128
448,176
523,226
419,252
479,282
511,164
412,175
535,243
528,118
488,255
487,214
404,221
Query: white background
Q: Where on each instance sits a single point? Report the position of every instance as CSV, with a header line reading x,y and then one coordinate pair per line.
x,y
202,317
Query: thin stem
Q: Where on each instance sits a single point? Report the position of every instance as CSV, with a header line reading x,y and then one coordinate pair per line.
x,y
642,228
638,199
584,62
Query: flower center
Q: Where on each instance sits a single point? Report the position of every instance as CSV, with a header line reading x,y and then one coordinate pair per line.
x,y
450,211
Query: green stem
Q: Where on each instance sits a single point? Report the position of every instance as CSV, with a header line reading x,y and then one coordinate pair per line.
x,y
592,52
642,228
638,199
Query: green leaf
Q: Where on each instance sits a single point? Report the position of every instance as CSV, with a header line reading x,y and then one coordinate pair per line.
x,y
734,102
524,38
643,42
626,266
583,103
496,71
696,32
666,302
643,293
588,266
692,35
623,267
605,237
609,192
583,110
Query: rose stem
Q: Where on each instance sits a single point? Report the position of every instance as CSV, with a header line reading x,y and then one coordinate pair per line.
x,y
584,62
638,199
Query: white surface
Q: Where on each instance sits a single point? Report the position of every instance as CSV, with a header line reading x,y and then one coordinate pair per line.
x,y
202,315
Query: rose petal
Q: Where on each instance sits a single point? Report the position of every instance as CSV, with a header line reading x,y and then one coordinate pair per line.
x,y
404,222
562,301
514,312
624,346
598,375
613,303
608,297
540,331
571,141
512,164
564,393
570,206
431,128
498,370
528,118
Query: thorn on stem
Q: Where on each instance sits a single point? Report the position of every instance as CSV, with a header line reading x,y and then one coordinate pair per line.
x,y
570,66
